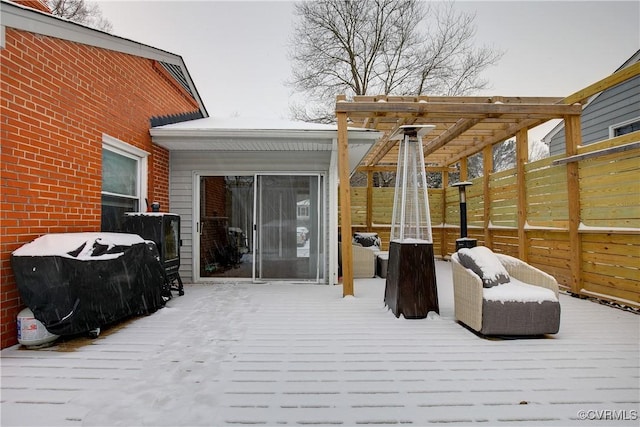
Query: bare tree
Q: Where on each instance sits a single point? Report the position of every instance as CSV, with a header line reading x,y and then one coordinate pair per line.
x,y
80,11
538,150
373,47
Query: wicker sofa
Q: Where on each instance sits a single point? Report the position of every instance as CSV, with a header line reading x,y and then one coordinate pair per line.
x,y
364,261
365,248
511,317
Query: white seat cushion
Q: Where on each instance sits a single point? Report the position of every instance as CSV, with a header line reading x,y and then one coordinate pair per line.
x,y
517,291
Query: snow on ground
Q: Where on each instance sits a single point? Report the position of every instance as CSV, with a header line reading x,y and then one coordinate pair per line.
x,y
291,354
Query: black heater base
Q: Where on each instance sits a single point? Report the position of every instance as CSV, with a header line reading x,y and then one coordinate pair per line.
x,y
411,280
465,242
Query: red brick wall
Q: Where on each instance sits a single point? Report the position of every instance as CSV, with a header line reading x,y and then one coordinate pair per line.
x,y
215,203
58,98
159,178
214,208
35,4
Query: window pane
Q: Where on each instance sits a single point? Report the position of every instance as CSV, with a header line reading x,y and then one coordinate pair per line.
x,y
623,130
113,210
226,218
119,174
171,241
288,227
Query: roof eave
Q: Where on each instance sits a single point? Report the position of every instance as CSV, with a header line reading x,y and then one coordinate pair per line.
x,y
357,134
34,21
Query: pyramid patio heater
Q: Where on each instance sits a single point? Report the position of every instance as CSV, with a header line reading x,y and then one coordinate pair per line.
x,y
410,287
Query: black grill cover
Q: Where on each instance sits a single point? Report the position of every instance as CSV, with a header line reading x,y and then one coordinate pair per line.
x,y
76,282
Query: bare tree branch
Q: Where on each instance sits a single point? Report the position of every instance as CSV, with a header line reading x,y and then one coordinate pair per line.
x,y
373,47
80,11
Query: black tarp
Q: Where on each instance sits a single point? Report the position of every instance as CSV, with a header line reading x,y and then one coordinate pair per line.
x,y
109,277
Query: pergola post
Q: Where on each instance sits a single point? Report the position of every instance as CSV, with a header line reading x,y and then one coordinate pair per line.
x,y
369,219
464,169
443,234
487,168
522,157
345,202
573,138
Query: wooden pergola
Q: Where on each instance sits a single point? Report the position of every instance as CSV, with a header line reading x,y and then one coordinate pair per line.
x,y
464,126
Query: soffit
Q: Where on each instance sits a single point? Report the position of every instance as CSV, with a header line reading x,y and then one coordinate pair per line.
x,y
213,134
255,134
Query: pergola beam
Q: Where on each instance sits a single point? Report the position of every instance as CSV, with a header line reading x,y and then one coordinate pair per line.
x,y
458,99
386,144
616,78
394,168
450,134
499,136
460,109
465,125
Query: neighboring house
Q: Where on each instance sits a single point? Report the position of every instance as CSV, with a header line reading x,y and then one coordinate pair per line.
x,y
611,113
77,106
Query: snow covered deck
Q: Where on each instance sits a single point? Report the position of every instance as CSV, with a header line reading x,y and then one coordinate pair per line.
x,y
285,354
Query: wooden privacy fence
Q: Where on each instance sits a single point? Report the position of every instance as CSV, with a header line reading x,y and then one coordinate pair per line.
x,y
609,205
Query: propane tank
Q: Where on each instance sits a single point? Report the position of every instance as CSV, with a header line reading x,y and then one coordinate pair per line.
x,y
32,333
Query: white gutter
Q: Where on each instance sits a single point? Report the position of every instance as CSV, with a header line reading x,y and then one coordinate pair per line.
x,y
357,134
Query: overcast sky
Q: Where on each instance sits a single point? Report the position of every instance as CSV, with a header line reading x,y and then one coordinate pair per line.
x,y
236,51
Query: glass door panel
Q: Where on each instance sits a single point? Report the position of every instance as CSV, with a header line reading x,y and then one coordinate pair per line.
x,y
288,227
226,226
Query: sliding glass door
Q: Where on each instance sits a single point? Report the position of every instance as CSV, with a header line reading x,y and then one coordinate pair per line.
x,y
261,227
288,228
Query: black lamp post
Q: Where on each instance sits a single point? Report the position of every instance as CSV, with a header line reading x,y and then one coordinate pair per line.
x,y
463,241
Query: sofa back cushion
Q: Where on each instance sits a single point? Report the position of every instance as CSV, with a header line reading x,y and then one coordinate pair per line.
x,y
367,240
482,261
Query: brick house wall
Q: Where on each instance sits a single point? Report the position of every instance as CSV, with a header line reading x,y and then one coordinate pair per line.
x,y
215,201
58,98
214,220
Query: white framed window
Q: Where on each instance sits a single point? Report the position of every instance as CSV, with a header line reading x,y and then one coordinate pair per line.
x,y
303,209
624,128
124,181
